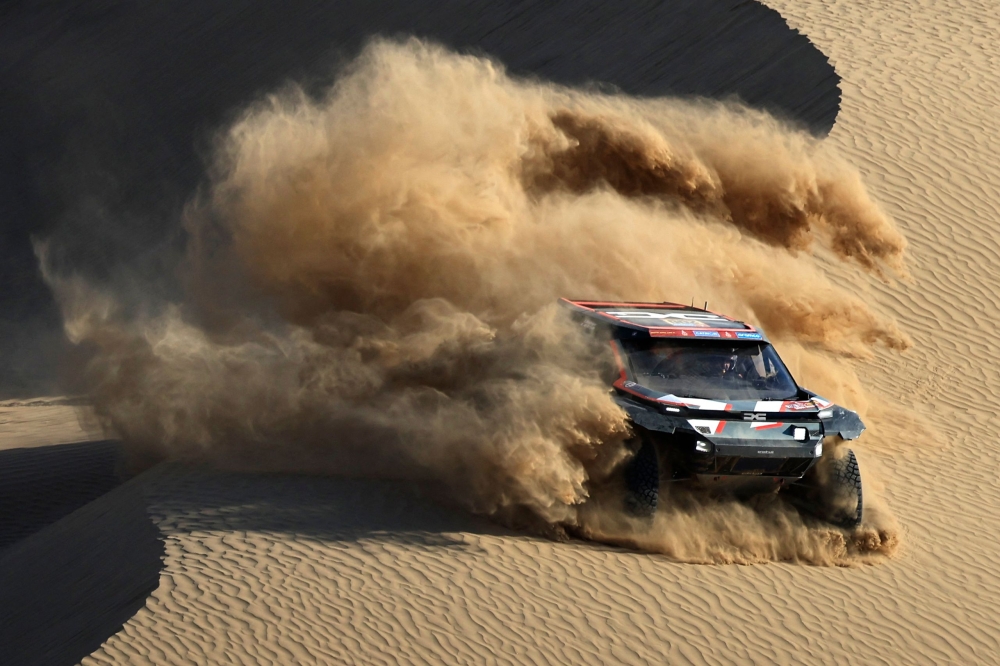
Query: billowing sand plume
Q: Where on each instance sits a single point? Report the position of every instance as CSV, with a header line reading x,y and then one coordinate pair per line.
x,y
371,280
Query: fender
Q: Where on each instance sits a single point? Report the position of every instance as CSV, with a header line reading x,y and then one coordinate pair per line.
x,y
841,422
651,420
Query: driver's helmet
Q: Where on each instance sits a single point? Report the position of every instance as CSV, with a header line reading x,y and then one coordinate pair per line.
x,y
729,365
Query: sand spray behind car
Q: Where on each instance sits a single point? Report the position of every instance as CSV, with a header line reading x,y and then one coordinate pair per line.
x,y
371,278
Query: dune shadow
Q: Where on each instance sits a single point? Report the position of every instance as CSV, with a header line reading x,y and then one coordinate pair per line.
x,y
41,485
67,588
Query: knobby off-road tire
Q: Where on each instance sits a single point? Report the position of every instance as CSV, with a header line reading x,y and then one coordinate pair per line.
x,y
642,481
845,481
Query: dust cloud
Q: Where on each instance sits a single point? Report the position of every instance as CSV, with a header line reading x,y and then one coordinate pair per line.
x,y
694,526
371,280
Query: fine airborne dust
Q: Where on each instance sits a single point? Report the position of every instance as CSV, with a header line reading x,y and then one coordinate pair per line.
x,y
371,279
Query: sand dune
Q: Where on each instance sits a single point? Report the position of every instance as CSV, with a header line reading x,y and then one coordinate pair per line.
x,y
44,422
322,570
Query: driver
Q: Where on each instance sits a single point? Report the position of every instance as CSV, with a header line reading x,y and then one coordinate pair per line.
x,y
711,365
728,368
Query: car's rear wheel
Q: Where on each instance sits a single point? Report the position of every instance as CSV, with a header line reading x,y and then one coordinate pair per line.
x,y
642,480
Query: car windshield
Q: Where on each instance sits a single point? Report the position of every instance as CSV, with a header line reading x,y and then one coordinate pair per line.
x,y
710,371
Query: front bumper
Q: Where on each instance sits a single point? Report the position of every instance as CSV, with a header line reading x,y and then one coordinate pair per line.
x,y
776,457
742,465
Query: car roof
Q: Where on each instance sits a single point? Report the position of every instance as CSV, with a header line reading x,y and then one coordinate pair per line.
x,y
667,320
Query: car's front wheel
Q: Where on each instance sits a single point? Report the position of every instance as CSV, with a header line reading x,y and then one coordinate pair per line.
x,y
831,491
642,480
845,499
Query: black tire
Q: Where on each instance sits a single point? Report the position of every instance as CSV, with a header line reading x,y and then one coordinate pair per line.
x,y
845,482
642,481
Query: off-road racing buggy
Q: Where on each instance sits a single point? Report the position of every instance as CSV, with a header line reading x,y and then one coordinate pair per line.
x,y
712,404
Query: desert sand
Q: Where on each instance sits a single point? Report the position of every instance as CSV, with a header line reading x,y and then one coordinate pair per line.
x,y
45,422
285,569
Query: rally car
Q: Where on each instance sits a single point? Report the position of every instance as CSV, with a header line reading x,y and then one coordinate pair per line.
x,y
711,403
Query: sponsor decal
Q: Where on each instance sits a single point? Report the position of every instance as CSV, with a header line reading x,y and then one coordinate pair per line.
x,y
749,336
707,334
629,384
768,452
668,332
784,405
797,405
749,416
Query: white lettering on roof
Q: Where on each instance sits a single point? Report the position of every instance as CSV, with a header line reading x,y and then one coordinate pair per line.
x,y
670,315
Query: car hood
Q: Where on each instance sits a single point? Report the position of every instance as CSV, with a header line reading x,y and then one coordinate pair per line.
x,y
758,406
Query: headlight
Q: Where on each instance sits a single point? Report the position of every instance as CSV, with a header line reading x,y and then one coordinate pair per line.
x,y
800,434
702,446
826,413
818,450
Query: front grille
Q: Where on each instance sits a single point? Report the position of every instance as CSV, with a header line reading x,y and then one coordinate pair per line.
x,y
767,466
761,466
